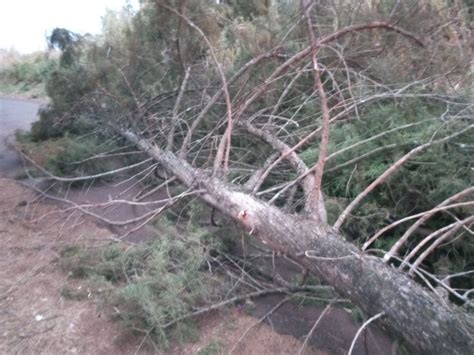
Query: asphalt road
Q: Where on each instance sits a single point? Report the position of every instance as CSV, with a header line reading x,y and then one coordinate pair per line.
x,y
15,114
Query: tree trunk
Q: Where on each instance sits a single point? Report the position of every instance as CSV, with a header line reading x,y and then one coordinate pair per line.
x,y
411,312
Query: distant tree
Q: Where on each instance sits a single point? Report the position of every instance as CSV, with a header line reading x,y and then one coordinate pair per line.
x,y
64,40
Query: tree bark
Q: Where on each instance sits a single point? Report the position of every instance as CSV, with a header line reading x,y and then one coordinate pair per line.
x,y
410,312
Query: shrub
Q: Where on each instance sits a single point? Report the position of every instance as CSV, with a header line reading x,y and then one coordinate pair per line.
x,y
81,156
25,73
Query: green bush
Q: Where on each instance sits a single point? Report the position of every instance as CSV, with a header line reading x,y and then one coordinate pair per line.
x,y
81,156
28,72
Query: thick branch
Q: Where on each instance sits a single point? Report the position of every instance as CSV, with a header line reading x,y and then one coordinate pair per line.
x,y
314,202
290,155
257,178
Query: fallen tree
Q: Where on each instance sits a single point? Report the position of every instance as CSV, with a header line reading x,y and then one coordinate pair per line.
x,y
283,168
414,314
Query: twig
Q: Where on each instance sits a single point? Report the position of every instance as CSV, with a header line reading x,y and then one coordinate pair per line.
x,y
270,312
406,219
235,299
308,336
454,228
213,100
427,215
366,323
81,178
174,115
223,150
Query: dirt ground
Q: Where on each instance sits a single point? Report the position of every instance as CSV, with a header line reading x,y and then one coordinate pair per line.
x,y
36,319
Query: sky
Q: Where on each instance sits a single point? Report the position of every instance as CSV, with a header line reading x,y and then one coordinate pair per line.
x,y
24,24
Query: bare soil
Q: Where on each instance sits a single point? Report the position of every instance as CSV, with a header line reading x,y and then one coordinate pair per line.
x,y
35,318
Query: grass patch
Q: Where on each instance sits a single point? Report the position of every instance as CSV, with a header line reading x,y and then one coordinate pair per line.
x,y
213,348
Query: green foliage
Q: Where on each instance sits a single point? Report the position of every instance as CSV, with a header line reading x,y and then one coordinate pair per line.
x,y
77,156
357,315
155,283
27,73
213,348
66,41
139,58
31,69
426,180
402,350
81,156
250,8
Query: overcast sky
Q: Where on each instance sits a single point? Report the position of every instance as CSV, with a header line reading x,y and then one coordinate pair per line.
x,y
24,23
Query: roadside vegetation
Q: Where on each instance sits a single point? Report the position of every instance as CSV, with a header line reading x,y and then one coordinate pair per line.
x,y
26,75
152,73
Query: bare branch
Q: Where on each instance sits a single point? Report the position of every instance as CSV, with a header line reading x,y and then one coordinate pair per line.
x,y
369,26
215,97
308,336
174,114
235,299
260,320
448,231
359,332
222,155
409,218
314,200
81,178
362,157
257,178
286,153
382,134
427,215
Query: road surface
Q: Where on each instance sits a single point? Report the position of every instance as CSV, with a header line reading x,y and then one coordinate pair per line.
x,y
15,114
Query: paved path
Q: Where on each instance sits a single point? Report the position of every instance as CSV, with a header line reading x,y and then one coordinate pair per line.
x,y
14,114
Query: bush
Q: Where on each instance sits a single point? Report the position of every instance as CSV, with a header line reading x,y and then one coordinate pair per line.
x,y
28,73
81,156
